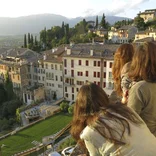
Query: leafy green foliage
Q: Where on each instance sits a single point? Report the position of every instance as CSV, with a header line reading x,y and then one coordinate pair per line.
x,y
71,109
68,142
64,106
139,22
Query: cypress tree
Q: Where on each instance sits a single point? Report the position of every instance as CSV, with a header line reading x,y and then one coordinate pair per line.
x,y
103,21
96,22
25,41
32,40
29,40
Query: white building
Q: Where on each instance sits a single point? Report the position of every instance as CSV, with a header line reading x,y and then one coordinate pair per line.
x,y
50,73
84,63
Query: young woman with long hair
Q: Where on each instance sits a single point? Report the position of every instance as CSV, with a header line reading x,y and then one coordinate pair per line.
x,y
106,129
142,95
122,59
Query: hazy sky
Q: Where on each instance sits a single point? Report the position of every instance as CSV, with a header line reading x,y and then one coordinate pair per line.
x,y
75,8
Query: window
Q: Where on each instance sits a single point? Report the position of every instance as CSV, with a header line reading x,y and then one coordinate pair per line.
x,y
104,75
55,66
56,78
65,89
60,67
79,62
46,66
94,63
66,95
72,63
72,90
87,63
110,65
87,73
104,63
110,74
77,89
65,71
72,96
94,74
52,66
65,63
98,74
98,83
72,73
99,63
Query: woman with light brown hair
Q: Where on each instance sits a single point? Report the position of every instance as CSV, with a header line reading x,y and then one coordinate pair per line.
x,y
104,128
122,59
142,95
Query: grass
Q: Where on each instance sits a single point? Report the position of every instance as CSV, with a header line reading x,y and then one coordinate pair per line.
x,y
22,140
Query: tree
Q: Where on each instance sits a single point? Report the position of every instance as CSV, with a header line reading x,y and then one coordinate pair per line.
x,y
25,41
64,106
3,94
103,22
63,31
71,109
29,40
9,87
32,40
96,22
139,22
18,116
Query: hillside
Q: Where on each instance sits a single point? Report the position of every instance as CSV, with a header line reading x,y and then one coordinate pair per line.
x,y
35,23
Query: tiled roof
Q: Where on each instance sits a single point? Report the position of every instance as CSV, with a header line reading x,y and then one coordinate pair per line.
x,y
126,27
99,51
147,39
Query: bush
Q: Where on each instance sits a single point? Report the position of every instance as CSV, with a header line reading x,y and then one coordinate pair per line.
x,y
64,106
71,109
68,142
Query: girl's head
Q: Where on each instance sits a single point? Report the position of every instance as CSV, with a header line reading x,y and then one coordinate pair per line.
x,y
122,55
143,65
90,99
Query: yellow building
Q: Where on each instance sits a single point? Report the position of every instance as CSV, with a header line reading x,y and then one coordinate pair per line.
x,y
148,15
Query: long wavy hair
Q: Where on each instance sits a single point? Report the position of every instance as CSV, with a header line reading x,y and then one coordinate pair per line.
x,y
143,66
122,55
91,102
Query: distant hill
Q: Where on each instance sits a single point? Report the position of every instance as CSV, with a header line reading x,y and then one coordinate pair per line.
x,y
35,23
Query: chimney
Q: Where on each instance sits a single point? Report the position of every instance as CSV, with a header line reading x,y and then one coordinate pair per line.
x,y
91,52
68,51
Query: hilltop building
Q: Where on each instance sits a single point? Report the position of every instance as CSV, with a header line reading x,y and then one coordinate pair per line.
x,y
148,15
124,34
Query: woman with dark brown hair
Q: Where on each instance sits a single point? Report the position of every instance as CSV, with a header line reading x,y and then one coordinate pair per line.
x,y
122,58
106,129
142,95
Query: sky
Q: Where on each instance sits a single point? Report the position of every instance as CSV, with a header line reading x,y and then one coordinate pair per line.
x,y
72,8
